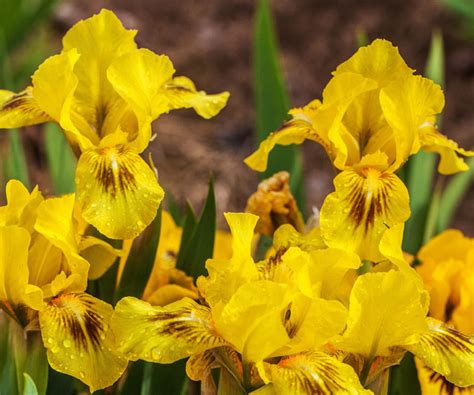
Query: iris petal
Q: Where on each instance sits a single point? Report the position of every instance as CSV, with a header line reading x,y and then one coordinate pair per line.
x,y
163,334
446,351
364,205
14,243
76,332
385,310
182,93
293,132
20,109
118,192
312,373
449,151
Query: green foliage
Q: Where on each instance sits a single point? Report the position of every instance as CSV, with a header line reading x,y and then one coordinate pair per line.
x,y
14,164
18,19
28,362
7,361
60,384
271,100
362,39
452,196
435,64
420,169
189,224
61,160
140,261
29,387
146,378
404,379
197,243
465,10
164,379
132,381
174,209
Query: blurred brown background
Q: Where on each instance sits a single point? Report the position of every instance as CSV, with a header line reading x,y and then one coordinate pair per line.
x,y
211,42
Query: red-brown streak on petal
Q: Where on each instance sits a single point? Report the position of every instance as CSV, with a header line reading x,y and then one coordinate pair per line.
x,y
267,270
447,387
364,208
15,101
305,377
115,180
82,325
177,323
20,102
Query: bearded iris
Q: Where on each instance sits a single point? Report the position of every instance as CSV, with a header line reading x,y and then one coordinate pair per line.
x,y
45,287
447,268
105,93
252,313
298,322
373,115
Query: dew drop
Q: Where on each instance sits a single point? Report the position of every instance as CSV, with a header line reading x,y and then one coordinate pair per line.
x,y
156,353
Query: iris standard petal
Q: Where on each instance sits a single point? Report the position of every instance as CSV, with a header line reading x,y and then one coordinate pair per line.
x,y
379,61
385,310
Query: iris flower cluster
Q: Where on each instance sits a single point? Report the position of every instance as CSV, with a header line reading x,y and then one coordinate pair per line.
x,y
333,303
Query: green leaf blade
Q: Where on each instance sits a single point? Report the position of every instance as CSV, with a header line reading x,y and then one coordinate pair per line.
x,y
452,196
199,246
140,261
271,100
420,169
61,160
14,165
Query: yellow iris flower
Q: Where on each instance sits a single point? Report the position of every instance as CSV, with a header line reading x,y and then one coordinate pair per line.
x,y
374,114
43,276
447,268
283,326
105,93
264,311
